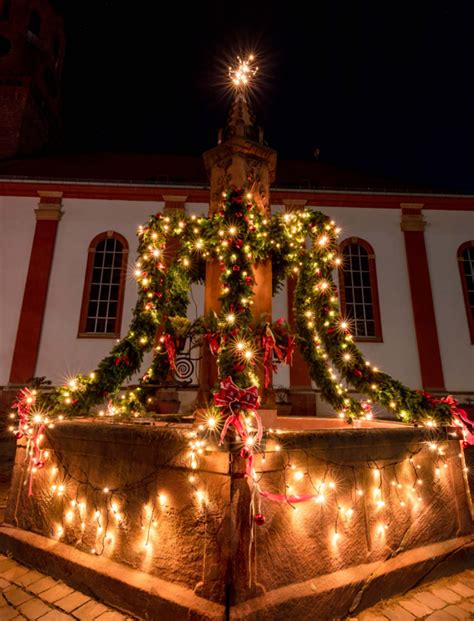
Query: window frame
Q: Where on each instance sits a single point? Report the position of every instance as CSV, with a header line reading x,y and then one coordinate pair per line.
x,y
87,287
467,304
378,338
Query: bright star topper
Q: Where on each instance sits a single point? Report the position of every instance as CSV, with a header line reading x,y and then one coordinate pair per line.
x,y
245,71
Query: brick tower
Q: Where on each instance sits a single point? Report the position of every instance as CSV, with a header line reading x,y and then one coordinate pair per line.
x,y
31,63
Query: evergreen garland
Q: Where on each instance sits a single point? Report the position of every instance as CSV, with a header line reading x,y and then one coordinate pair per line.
x,y
302,244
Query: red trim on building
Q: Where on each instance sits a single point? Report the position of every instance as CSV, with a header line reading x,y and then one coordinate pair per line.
x,y
87,287
111,191
378,338
470,317
33,306
429,354
299,373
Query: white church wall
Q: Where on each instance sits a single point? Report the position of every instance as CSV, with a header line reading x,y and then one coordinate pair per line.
x,y
17,223
397,354
60,349
83,219
445,232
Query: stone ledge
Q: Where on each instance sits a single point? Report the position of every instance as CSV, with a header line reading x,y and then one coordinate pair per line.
x,y
134,591
152,598
352,590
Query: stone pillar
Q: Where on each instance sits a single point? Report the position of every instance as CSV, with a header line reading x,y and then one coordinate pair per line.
x,y
238,162
413,227
33,306
302,396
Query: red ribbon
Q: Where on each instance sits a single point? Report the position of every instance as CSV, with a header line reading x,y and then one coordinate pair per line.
x,y
170,350
213,342
32,431
460,416
294,499
290,348
125,359
237,399
269,348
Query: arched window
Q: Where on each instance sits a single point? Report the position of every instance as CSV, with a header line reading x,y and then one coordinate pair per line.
x,y
466,269
358,289
104,285
34,25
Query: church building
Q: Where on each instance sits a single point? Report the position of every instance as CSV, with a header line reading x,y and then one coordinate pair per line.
x,y
69,237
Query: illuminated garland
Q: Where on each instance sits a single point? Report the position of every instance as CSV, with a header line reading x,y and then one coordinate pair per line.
x,y
302,244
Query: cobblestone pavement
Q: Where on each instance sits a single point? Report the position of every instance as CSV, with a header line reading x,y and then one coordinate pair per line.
x,y
447,599
28,594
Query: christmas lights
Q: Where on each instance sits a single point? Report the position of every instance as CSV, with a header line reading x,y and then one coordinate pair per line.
x,y
96,525
239,236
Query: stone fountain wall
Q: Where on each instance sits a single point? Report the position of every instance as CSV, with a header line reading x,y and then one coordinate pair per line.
x,y
201,539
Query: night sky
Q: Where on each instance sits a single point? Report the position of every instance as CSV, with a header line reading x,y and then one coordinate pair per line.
x,y
383,87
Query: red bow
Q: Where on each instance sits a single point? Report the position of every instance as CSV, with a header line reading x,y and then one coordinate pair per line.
x,y
231,396
120,359
461,419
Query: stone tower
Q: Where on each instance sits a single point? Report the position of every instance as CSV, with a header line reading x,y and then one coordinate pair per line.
x,y
241,159
31,64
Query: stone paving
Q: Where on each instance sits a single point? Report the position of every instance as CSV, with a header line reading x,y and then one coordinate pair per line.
x,y
29,594
448,599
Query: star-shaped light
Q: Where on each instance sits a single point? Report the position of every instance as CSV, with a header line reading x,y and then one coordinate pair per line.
x,y
244,72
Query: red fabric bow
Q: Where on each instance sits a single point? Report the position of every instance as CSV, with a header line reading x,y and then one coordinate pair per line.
x,y
125,359
461,419
232,396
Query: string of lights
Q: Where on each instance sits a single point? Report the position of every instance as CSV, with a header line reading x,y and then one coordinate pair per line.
x,y
98,511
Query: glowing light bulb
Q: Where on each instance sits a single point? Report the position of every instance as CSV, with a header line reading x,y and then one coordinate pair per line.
x,y
200,495
243,74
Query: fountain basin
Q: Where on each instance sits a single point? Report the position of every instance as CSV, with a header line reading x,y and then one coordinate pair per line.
x,y
131,526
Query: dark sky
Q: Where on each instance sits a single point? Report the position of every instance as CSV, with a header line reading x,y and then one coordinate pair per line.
x,y
384,87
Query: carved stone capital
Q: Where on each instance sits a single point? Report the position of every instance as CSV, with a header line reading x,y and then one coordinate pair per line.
x,y
412,217
291,204
49,206
174,201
